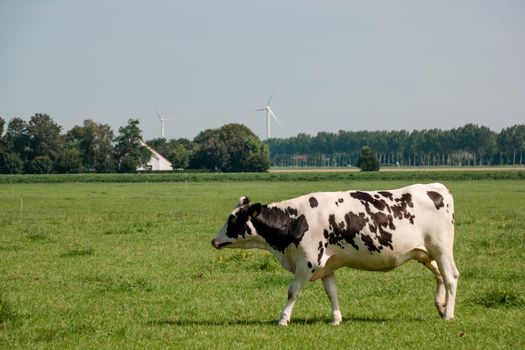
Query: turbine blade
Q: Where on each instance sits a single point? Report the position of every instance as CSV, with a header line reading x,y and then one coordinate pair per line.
x,y
158,115
270,99
274,116
259,109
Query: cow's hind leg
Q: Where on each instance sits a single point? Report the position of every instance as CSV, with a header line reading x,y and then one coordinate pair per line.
x,y
450,274
440,286
330,287
295,288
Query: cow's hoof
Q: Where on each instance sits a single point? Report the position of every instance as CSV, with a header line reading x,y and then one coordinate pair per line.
x,y
441,309
337,318
283,323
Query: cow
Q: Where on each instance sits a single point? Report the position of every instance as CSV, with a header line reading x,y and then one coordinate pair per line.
x,y
313,235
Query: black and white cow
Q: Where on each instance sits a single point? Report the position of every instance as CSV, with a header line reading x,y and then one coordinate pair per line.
x,y
314,235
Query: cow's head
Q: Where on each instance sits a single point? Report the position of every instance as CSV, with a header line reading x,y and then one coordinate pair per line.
x,y
238,232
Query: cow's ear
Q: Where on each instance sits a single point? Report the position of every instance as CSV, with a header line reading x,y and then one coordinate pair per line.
x,y
244,201
255,210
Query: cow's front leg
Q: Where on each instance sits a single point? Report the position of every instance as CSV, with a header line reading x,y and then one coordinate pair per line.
x,y
295,288
330,287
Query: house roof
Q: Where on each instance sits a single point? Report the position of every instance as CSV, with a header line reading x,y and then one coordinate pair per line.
x,y
154,152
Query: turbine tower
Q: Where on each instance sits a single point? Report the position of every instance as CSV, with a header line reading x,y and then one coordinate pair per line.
x,y
269,113
162,120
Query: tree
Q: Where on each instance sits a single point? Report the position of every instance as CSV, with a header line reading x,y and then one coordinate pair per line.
x,y
17,139
179,157
10,162
129,152
181,151
245,150
40,165
94,142
44,138
232,148
478,141
14,147
210,153
511,144
368,160
69,159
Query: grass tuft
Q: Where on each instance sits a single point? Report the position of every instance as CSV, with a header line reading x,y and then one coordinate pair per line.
x,y
496,299
105,284
136,285
81,328
268,263
39,237
47,335
7,313
78,252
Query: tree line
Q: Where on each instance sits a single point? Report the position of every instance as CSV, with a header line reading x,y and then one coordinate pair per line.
x,y
40,147
470,144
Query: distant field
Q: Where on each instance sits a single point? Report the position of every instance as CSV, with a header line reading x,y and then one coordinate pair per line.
x,y
394,169
120,265
283,175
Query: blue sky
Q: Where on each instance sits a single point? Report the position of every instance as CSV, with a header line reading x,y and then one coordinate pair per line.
x,y
352,65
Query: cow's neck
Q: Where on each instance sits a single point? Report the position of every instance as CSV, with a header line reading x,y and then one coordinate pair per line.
x,y
275,229
280,228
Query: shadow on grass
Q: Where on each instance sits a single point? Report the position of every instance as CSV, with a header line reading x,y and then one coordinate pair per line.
x,y
295,321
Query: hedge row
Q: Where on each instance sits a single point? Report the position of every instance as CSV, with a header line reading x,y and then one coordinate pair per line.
x,y
438,175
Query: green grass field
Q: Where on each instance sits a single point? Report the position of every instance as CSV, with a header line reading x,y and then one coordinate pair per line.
x,y
130,265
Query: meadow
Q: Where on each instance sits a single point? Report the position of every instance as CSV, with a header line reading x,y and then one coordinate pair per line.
x,y
130,265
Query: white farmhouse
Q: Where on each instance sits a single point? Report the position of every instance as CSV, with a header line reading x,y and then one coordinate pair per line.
x,y
157,162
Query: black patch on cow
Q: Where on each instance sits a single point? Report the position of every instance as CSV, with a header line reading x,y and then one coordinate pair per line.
x,y
291,211
380,221
309,265
237,225
369,242
365,197
279,228
340,200
436,198
321,252
400,209
406,198
345,230
313,202
386,195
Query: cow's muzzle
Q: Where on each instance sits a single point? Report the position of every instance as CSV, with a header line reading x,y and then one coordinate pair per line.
x,y
217,244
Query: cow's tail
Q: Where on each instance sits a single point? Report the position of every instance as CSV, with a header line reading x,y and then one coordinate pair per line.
x,y
449,199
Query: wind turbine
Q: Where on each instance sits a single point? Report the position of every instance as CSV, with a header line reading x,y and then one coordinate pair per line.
x,y
162,120
269,113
